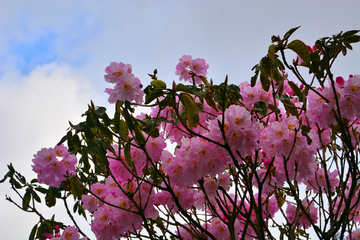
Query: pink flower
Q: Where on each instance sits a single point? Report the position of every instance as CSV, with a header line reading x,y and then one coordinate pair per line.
x,y
199,66
352,86
50,169
70,233
318,181
296,216
128,88
89,203
115,71
355,235
61,150
99,190
113,95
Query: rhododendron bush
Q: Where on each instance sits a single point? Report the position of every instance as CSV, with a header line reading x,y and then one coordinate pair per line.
x,y
274,157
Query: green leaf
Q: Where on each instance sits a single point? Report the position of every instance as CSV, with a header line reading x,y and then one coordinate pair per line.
x,y
209,100
265,82
265,74
26,199
181,87
260,107
294,88
100,111
34,180
169,100
74,188
128,155
290,32
32,233
123,129
50,197
192,111
280,198
255,77
352,39
350,33
76,205
196,91
84,159
36,197
273,108
288,105
69,141
55,191
279,64
300,48
152,94
280,89
41,189
205,81
272,50
158,84
15,183
139,136
91,148
129,121
63,139
233,88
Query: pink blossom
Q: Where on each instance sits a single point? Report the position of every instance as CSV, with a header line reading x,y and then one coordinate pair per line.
x,y
89,203
53,165
128,88
115,71
355,235
70,233
199,66
186,64
297,217
319,182
113,95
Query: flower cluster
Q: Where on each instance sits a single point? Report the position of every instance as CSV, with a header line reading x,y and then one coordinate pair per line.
x,y
322,105
188,65
127,86
53,165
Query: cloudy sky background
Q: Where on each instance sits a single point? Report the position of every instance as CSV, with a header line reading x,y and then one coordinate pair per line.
x,y
53,55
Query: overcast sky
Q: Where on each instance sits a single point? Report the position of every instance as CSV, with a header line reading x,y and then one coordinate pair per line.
x,y
53,55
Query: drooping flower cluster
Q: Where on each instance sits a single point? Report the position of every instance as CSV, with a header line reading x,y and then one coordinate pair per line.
x,y
321,111
187,64
53,165
127,86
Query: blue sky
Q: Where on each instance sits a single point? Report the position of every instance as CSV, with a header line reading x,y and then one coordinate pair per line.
x,y
53,55
40,51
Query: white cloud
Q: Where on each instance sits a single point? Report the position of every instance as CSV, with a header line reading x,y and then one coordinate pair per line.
x,y
35,110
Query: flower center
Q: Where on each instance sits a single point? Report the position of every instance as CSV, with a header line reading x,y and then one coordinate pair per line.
x,y
118,74
238,120
127,86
